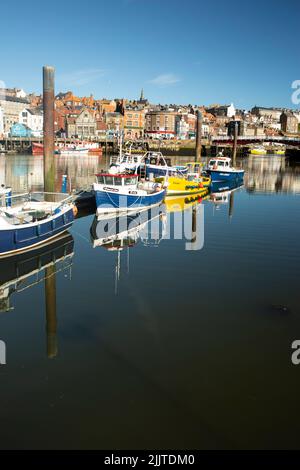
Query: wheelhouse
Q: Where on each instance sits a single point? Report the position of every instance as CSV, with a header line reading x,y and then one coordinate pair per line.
x,y
124,180
219,163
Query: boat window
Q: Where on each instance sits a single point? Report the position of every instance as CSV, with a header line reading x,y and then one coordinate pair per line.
x,y
220,163
109,180
118,181
212,162
196,168
100,179
130,181
226,164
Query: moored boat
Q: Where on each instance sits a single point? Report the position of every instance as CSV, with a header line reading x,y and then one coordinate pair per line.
x,y
258,150
220,169
123,192
32,219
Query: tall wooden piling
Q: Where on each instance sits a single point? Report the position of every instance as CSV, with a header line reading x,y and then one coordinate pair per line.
x,y
198,136
234,143
48,103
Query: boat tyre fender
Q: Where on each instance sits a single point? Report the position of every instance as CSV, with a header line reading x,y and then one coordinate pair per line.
x,y
75,210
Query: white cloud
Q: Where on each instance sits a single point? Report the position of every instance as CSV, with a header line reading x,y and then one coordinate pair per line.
x,y
165,80
81,77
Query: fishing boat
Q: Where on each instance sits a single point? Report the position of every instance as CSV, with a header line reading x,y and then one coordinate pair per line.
x,y
220,169
258,150
181,185
124,192
72,150
154,164
37,148
31,219
150,165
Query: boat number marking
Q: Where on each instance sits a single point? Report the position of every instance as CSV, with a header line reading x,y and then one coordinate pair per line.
x,y
110,189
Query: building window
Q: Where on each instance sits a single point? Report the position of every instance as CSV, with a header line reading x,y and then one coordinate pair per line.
x,y
129,123
92,130
79,129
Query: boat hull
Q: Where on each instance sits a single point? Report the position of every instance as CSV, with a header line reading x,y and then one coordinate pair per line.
x,y
258,152
20,238
157,171
108,201
225,175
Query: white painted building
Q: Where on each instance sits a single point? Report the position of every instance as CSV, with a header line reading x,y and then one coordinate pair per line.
x,y
32,118
182,129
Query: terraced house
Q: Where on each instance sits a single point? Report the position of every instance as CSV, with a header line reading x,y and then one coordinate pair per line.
x,y
134,122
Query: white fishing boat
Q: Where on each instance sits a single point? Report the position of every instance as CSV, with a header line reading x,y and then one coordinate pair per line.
x,y
73,150
124,192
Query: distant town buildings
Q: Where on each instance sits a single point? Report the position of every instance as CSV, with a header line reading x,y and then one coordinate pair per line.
x,y
289,122
90,118
33,119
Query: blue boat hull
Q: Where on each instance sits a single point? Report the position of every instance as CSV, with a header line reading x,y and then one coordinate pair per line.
x,y
27,237
109,201
226,176
162,171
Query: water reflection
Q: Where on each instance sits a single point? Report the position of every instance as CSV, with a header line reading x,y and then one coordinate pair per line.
x,y
207,363
26,270
223,193
271,174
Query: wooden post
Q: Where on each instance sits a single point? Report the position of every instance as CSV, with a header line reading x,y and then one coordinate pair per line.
x,y
235,143
198,136
231,201
48,102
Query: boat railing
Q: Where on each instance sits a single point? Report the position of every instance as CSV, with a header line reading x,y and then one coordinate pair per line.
x,y
14,200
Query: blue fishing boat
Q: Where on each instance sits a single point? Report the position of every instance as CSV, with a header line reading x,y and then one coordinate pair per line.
x,y
151,164
31,219
220,169
123,192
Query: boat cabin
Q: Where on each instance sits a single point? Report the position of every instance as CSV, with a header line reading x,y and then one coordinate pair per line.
x,y
124,179
220,164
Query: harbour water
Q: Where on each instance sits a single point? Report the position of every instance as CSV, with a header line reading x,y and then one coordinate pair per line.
x,y
157,345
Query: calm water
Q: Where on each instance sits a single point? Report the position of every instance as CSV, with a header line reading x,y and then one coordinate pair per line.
x,y
157,346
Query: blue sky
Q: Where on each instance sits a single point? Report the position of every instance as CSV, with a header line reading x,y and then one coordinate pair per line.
x,y
179,51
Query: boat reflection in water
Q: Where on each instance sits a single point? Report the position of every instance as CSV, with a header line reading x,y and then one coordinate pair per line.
x,y
124,231
223,193
177,218
28,269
